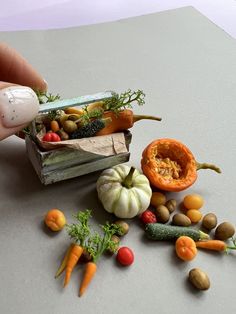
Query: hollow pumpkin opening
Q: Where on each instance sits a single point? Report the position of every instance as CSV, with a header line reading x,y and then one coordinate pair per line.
x,y
172,160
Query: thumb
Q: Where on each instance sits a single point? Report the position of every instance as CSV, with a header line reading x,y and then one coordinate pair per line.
x,y
18,107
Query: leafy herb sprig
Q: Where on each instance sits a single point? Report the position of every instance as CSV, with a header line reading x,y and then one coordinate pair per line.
x,y
97,245
124,100
80,231
94,243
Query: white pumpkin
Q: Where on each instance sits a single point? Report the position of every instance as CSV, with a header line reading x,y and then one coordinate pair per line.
x,y
124,191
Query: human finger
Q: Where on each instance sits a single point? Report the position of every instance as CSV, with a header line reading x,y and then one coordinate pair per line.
x,y
16,69
18,107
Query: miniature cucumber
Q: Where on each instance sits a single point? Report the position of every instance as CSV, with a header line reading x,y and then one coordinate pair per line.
x,y
158,231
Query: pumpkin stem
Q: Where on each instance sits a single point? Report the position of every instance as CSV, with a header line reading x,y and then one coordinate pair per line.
x,y
141,117
128,179
205,165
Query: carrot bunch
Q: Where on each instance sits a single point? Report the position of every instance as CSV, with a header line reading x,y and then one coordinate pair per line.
x,y
86,240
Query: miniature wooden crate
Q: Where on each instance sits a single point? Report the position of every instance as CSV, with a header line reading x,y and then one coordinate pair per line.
x,y
66,163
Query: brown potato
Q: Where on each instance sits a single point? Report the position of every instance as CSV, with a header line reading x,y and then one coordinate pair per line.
x,y
162,214
171,205
181,220
224,231
199,279
209,221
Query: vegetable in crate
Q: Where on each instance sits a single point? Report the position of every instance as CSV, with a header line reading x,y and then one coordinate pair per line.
x,y
170,166
158,231
90,129
123,191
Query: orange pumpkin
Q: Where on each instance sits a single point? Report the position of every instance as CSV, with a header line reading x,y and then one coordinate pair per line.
x,y
170,165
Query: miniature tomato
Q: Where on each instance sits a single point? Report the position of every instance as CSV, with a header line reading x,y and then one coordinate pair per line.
x,y
193,201
51,137
55,219
148,217
125,256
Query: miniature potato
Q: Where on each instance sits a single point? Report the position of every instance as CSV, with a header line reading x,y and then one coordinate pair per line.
x,y
158,198
162,214
55,219
209,221
181,220
193,201
171,205
124,227
194,215
224,231
199,279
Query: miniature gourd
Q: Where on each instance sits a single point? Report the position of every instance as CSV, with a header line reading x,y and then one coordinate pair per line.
x,y
124,191
170,165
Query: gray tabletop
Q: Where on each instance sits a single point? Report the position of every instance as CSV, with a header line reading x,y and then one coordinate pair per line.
x,y
187,67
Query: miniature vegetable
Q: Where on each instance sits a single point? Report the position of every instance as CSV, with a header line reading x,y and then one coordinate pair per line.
x,y
51,137
193,201
185,248
158,231
209,221
215,245
125,256
55,219
96,246
224,231
148,217
79,233
124,191
194,215
64,261
170,166
122,120
199,279
90,129
157,199
162,214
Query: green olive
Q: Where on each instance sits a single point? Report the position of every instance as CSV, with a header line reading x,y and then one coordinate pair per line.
x,y
209,221
199,279
224,231
181,220
69,126
162,214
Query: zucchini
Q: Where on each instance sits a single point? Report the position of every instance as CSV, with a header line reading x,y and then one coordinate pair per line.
x,y
158,231
90,129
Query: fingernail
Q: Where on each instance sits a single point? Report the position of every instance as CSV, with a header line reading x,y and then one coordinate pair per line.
x,y
18,105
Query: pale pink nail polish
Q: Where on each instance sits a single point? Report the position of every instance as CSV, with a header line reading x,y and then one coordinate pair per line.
x,y
18,105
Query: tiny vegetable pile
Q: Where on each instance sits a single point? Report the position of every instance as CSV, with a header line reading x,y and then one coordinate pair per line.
x,y
100,118
86,241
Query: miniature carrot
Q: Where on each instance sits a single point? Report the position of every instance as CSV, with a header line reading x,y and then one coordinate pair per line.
x,y
215,245
122,120
185,248
73,258
79,233
90,270
97,245
64,261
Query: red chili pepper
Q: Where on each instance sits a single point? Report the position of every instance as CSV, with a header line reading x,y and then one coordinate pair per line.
x,y
148,217
51,137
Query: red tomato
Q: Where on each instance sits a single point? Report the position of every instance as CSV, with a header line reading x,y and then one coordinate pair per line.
x,y
51,137
148,217
125,256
